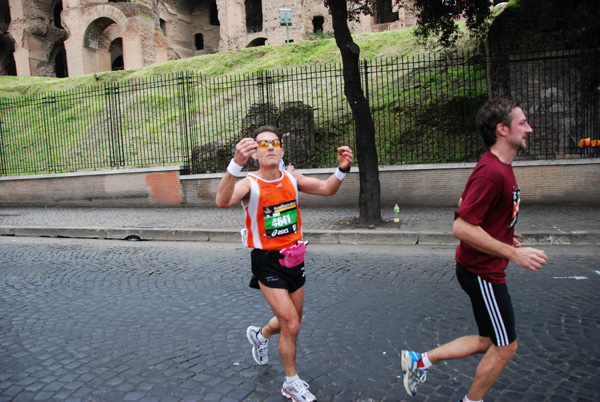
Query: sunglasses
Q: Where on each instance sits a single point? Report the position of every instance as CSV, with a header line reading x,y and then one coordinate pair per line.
x,y
266,143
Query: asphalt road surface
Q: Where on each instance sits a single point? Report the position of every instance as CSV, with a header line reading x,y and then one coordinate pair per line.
x,y
98,320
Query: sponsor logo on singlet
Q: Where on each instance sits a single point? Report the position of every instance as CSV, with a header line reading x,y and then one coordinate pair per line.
x,y
281,220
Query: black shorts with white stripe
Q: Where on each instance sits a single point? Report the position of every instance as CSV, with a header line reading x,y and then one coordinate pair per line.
x,y
492,307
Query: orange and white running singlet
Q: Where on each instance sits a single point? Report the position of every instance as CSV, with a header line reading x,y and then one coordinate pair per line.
x,y
273,219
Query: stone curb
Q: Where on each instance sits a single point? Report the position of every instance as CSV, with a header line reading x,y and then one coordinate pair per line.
x,y
364,236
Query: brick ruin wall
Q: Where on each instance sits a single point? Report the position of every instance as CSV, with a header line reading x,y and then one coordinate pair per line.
x,y
74,37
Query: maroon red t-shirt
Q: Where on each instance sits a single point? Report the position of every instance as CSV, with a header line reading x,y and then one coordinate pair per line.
x,y
490,200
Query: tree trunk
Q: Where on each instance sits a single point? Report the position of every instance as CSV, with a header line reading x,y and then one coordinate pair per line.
x,y
366,152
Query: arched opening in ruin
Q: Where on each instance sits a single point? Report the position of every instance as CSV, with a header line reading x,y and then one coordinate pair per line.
x,y
58,7
199,41
118,64
318,21
163,27
383,11
213,13
100,47
116,55
58,59
257,42
205,28
7,46
7,58
254,16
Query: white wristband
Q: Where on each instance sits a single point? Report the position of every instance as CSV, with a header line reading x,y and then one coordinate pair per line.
x,y
234,169
339,174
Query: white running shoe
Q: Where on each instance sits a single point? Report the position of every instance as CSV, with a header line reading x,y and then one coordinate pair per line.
x,y
297,391
412,374
260,350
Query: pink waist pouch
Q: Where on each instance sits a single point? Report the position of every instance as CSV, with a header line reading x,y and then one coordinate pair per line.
x,y
293,256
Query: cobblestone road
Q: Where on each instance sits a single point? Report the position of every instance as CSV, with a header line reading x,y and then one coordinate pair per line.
x,y
88,320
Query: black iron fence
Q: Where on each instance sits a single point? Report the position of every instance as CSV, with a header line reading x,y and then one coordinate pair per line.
x,y
560,93
423,109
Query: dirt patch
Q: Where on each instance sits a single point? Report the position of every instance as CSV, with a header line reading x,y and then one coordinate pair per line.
x,y
353,223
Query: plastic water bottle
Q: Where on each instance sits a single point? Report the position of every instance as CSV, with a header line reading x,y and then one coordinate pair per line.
x,y
396,213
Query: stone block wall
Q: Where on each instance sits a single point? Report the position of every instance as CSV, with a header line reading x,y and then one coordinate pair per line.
x,y
437,185
561,182
125,188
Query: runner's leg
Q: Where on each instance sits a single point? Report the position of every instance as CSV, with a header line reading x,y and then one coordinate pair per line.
x,y
489,369
288,314
459,348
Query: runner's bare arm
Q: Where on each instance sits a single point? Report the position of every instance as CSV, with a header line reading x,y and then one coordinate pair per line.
x,y
310,185
476,237
231,191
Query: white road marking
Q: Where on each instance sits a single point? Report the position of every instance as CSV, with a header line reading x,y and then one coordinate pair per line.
x,y
571,277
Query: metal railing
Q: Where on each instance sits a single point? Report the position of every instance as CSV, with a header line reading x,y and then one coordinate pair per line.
x,y
423,109
560,94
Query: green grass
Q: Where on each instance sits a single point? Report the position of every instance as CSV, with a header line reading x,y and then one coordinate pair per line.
x,y
389,44
406,113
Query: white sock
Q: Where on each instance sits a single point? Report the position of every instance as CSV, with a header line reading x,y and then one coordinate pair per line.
x,y
426,362
469,400
290,380
260,337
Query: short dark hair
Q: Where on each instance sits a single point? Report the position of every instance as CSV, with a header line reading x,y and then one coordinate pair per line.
x,y
262,129
495,111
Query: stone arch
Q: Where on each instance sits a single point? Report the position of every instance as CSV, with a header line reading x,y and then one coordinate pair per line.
x,y
257,42
109,35
98,19
103,24
95,37
96,44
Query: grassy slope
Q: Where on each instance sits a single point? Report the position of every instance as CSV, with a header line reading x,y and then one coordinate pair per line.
x,y
397,43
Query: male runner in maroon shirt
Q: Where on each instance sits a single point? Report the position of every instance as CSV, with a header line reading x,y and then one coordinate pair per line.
x,y
484,223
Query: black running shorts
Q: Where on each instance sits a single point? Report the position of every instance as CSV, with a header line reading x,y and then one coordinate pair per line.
x,y
267,269
492,307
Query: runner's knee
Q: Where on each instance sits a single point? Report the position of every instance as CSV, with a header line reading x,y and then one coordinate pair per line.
x,y
484,344
291,326
509,350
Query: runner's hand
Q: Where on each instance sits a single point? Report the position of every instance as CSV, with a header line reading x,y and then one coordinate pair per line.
x,y
345,156
243,150
530,258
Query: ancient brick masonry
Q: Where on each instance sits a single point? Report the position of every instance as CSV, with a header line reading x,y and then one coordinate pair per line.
x,y
73,37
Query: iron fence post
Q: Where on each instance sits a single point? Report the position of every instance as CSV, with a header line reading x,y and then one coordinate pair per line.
x,y
184,82
113,107
47,100
366,73
3,168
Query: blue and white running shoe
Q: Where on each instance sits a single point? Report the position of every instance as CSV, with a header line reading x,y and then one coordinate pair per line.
x,y
412,374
